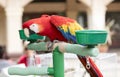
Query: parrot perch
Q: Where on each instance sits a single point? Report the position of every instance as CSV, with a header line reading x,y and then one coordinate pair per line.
x,y
56,28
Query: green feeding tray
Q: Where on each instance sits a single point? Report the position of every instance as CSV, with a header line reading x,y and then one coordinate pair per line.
x,y
91,37
32,37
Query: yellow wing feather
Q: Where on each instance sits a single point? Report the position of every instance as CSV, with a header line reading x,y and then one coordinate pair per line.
x,y
72,27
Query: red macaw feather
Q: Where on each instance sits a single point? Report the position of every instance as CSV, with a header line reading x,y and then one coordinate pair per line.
x,y
60,20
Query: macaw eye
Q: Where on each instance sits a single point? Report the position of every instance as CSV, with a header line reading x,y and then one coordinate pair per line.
x,y
26,31
34,27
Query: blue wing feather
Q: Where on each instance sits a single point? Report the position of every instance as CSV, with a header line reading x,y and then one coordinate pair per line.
x,y
67,35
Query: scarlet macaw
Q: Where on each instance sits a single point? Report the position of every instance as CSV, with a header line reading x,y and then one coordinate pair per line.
x,y
55,27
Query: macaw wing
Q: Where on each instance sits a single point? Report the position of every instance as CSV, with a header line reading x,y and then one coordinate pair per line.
x,y
66,26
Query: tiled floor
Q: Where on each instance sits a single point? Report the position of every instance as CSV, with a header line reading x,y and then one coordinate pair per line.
x,y
117,51
112,68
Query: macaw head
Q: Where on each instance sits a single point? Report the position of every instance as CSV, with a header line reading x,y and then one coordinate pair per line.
x,y
36,26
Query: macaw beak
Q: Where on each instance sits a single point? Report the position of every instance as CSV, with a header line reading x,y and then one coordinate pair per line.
x,y
31,32
31,35
28,32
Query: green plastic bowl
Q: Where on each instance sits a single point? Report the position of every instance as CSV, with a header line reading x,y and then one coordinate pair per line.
x,y
91,37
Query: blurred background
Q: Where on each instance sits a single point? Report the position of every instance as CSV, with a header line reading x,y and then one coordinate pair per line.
x,y
91,14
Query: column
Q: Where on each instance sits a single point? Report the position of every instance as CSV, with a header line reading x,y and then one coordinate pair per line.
x,y
13,25
14,11
96,13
